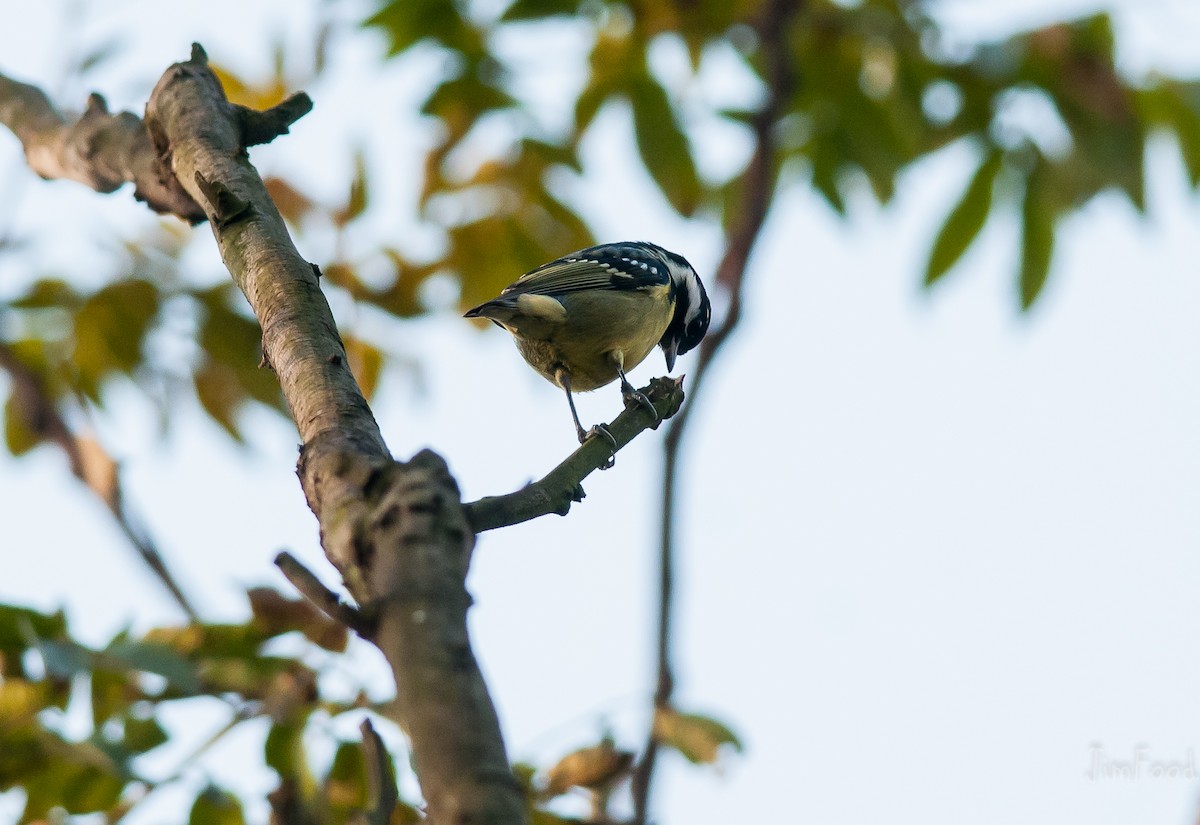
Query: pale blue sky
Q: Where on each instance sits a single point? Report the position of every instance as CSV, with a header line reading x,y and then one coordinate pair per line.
x,y
937,555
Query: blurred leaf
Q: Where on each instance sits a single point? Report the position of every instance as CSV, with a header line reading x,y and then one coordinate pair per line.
x,y
112,693
408,22
20,702
275,614
366,362
235,341
220,395
159,659
346,784
142,735
698,738
538,9
19,437
216,807
109,330
663,146
966,219
285,754
1037,238
46,293
595,768
292,204
258,96
356,202
20,627
87,789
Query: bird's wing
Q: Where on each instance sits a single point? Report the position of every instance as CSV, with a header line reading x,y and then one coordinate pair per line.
x,y
579,272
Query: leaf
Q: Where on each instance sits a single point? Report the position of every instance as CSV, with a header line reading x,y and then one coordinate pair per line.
x,y
109,330
19,437
408,22
346,784
160,659
220,395
1037,238
356,202
698,738
112,693
366,362
47,293
663,146
596,767
276,614
216,807
20,702
965,220
292,204
142,735
538,9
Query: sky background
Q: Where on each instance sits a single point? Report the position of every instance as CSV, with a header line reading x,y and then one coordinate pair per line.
x,y
937,557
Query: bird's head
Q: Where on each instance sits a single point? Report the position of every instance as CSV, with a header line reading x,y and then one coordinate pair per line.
x,y
692,309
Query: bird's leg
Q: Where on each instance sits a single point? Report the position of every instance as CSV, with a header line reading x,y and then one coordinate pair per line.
x,y
564,381
627,391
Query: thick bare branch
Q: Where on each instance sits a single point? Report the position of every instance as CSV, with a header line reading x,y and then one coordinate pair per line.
x,y
563,485
98,149
397,532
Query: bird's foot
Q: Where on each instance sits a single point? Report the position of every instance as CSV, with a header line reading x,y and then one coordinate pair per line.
x,y
601,431
633,397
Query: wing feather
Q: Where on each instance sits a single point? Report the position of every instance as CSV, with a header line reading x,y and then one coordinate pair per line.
x,y
611,268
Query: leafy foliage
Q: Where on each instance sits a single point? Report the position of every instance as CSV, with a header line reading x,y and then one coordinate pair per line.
x,y
876,90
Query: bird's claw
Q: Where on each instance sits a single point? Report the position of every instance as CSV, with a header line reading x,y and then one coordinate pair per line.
x,y
637,397
601,431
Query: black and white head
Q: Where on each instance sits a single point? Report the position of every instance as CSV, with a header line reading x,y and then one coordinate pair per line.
x,y
692,309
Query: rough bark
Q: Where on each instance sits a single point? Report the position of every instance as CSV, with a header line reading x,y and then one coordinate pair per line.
x,y
395,531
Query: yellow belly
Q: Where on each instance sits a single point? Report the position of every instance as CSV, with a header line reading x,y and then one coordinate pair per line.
x,y
596,326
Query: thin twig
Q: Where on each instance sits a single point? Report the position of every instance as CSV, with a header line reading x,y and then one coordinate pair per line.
x,y
327,601
758,185
561,486
42,417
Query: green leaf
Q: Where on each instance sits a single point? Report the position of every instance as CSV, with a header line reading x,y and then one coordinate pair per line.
x,y
19,437
109,330
142,735
663,146
346,784
965,220
538,9
1037,238
216,807
698,738
408,22
47,293
91,789
160,659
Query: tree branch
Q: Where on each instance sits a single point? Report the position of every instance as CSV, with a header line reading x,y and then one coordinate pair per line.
x,y
757,191
98,149
563,485
396,531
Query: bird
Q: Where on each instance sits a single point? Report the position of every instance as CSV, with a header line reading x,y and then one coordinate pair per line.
x,y
585,319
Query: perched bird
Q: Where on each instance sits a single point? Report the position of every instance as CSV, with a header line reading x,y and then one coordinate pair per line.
x,y
585,319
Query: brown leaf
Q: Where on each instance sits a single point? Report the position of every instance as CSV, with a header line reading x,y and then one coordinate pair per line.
x,y
594,768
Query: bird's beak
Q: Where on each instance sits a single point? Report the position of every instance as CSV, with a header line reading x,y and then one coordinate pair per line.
x,y
669,349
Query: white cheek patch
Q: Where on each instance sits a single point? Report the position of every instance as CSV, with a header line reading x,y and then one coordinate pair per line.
x,y
688,281
541,306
